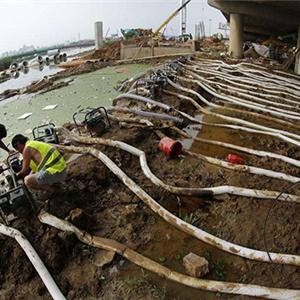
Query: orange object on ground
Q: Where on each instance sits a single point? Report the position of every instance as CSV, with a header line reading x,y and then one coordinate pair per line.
x,y
235,159
170,147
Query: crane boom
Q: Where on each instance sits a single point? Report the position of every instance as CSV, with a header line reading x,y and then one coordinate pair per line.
x,y
156,32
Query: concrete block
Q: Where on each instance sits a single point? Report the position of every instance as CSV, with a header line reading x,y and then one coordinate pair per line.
x,y
195,265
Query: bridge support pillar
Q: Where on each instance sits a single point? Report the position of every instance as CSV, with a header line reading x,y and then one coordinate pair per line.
x,y
236,35
297,63
98,35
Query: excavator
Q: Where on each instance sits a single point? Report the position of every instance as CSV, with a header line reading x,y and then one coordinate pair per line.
x,y
129,33
157,33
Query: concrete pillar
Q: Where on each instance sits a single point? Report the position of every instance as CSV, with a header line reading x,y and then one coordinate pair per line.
x,y
98,35
297,63
236,35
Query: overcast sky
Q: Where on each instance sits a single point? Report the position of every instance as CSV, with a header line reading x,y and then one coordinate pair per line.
x,y
46,22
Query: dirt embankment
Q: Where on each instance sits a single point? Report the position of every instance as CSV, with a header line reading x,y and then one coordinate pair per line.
x,y
96,201
110,52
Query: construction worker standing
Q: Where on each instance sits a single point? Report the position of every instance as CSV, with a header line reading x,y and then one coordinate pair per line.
x,y
47,164
3,134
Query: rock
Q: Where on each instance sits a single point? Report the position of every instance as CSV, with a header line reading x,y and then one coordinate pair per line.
x,y
77,217
195,265
103,257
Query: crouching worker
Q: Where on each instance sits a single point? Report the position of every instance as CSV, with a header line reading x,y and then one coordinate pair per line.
x,y
47,165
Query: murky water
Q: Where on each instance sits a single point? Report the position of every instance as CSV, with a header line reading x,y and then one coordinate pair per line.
x,y
92,89
26,79
193,131
34,73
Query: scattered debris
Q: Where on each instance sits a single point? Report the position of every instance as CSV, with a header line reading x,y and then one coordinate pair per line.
x,y
235,159
50,107
24,116
170,147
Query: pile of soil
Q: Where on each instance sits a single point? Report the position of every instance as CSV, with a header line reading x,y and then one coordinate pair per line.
x,y
213,44
110,52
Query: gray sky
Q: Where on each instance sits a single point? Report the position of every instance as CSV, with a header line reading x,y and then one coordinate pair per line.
x,y
46,22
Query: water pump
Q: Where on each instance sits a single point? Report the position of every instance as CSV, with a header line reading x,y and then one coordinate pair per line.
x,y
95,120
12,191
45,133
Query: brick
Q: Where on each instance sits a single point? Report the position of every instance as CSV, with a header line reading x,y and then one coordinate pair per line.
x,y
195,265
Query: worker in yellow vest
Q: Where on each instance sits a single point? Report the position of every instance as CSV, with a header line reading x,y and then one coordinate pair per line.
x,y
47,165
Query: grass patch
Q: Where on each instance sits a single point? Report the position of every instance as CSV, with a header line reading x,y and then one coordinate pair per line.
x,y
140,288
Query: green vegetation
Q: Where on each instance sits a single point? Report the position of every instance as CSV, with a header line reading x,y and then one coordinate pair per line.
x,y
243,278
178,256
218,268
191,219
5,62
140,288
162,259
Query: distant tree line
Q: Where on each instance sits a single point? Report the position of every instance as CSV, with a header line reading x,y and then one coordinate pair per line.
x,y
5,62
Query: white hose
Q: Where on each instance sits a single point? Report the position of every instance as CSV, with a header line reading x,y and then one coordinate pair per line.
x,y
244,93
262,194
35,260
236,120
260,153
162,271
248,81
240,102
196,232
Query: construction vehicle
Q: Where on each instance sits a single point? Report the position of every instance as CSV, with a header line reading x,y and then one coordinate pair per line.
x,y
156,33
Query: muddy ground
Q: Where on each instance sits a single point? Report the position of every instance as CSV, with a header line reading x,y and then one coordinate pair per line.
x,y
109,209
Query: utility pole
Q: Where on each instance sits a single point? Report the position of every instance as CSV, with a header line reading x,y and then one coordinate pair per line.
x,y
183,18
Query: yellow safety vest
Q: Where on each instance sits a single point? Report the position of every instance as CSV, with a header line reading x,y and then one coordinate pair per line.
x,y
52,161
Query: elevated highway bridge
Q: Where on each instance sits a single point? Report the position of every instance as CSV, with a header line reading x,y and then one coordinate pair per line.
x,y
259,18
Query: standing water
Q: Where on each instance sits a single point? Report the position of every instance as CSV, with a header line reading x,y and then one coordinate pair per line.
x,y
26,79
91,89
